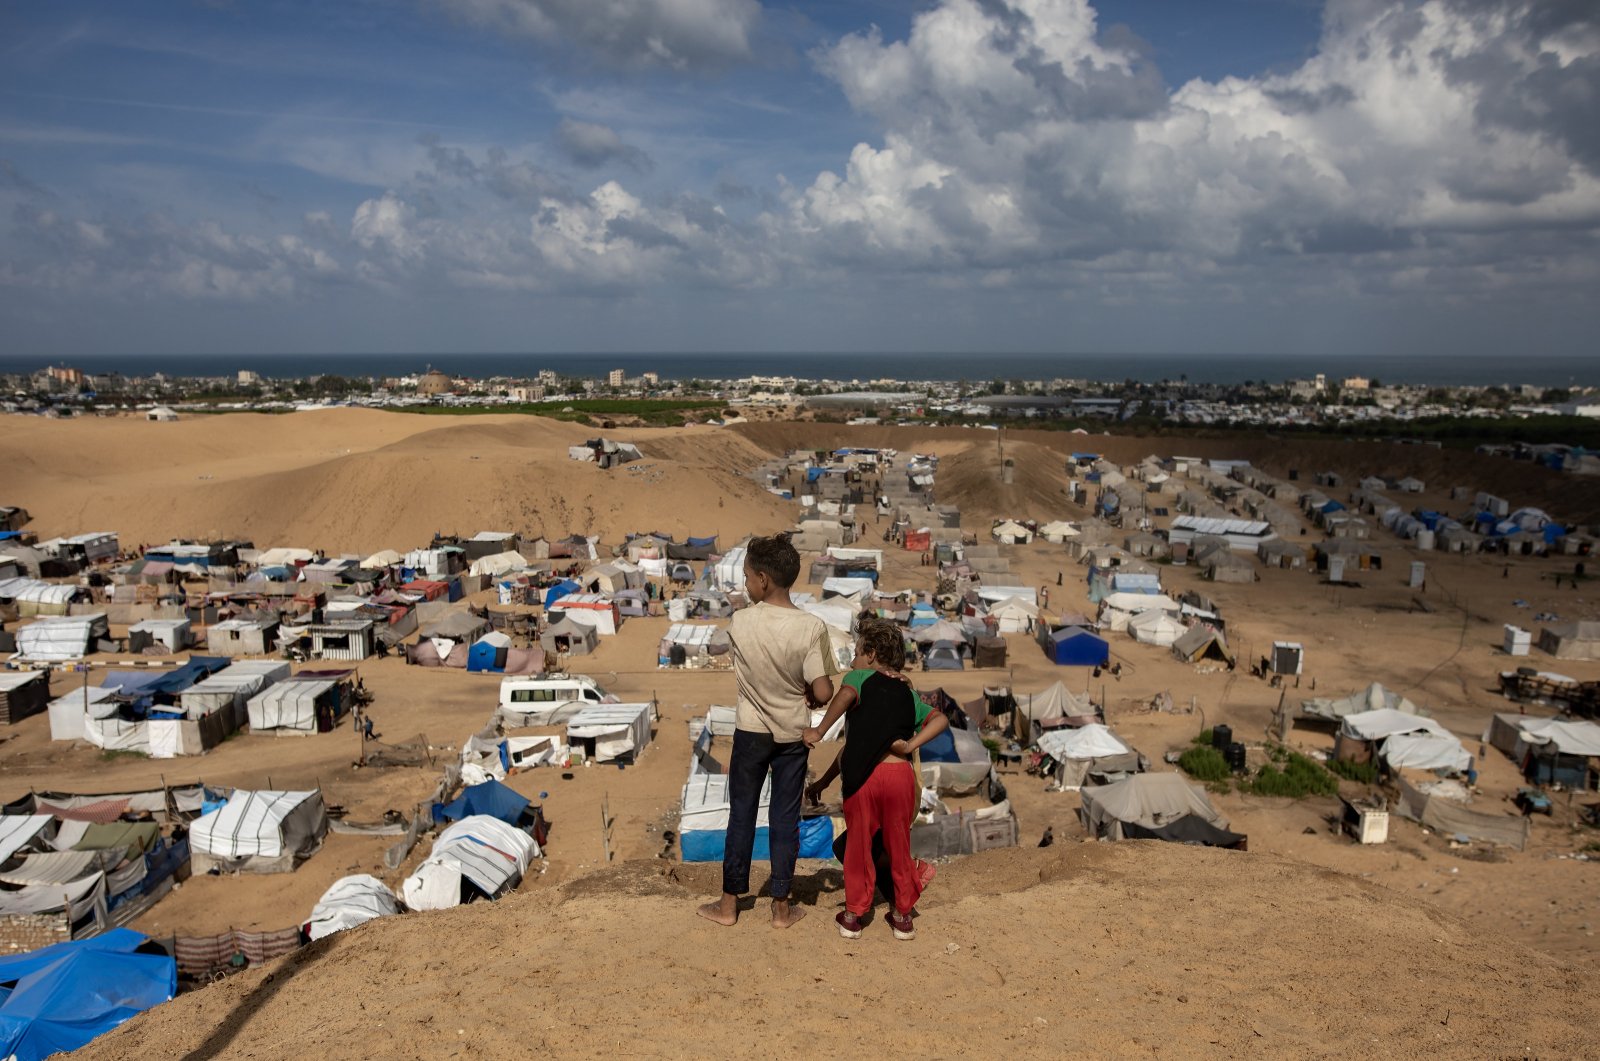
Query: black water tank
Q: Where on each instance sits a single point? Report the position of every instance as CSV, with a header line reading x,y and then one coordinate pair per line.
x,y
1234,754
1221,737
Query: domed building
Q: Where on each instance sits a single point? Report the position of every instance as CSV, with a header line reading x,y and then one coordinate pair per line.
x,y
434,382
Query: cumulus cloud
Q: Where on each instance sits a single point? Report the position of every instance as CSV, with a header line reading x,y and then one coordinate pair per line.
x,y
592,146
1017,133
677,34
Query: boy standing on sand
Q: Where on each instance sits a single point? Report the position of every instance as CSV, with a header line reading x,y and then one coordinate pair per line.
x,y
782,665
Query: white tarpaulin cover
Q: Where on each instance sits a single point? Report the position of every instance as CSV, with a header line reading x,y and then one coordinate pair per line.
x,y
1570,738
1055,702
59,867
1156,628
348,902
57,638
67,713
1372,698
249,824
1087,742
17,829
480,849
616,729
1150,800
497,564
288,705
1425,751
847,587
382,558
284,556
1386,721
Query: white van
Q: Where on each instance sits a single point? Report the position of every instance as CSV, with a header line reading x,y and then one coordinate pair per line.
x,y
547,699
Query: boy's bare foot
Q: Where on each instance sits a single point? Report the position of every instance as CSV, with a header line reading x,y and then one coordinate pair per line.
x,y
724,911
785,913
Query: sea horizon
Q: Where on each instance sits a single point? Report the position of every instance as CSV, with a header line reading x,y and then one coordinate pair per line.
x,y
1542,370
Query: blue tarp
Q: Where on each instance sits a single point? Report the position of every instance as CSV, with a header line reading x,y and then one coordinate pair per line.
x,y
1075,647
813,474
705,845
698,543
1332,506
491,798
484,657
941,749
559,590
64,996
1554,532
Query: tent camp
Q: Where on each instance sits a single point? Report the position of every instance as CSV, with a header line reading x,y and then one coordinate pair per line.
x,y
478,856
61,997
259,832
348,902
609,732
1090,753
1155,807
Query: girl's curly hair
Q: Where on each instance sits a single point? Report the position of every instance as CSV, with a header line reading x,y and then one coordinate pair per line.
x,y
883,641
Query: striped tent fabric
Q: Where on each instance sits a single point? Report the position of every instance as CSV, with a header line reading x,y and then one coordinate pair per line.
x,y
199,954
16,830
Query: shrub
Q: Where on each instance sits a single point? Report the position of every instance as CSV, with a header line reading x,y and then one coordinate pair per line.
x,y
1366,773
1204,763
1204,737
1300,777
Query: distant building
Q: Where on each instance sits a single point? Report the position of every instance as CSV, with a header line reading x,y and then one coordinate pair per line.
x,y
615,377
248,378
72,377
548,377
434,382
526,394
650,379
1356,383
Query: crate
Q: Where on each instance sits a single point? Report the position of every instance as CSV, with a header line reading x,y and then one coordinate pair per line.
x,y
986,835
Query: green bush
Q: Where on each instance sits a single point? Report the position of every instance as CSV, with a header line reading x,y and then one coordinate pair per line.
x,y
1366,773
1300,777
1204,763
1204,737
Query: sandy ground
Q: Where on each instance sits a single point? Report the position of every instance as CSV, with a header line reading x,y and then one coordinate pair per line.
x,y
1274,954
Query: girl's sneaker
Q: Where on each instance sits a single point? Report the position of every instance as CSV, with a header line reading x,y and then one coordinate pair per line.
x,y
903,926
849,925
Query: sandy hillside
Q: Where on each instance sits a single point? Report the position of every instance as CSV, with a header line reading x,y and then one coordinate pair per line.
x,y
349,480
1101,950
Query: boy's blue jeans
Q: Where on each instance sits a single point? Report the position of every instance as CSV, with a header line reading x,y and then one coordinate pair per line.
x,y
753,755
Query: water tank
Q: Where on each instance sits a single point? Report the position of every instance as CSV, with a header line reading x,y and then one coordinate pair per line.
x,y
1235,757
1221,737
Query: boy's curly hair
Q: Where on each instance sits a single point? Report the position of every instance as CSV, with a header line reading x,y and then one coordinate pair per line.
x,y
883,640
775,557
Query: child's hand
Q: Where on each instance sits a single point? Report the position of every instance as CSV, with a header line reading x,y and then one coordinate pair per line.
x,y
901,748
814,792
812,736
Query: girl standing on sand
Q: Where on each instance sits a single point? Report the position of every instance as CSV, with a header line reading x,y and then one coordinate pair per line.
x,y
881,789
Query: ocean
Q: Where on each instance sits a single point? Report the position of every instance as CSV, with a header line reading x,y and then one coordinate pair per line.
x,y
1198,368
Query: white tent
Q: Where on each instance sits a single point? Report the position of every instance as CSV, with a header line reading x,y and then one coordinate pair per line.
x,y
18,830
1425,751
67,713
617,730
1057,701
1372,698
833,613
284,556
1013,615
1568,738
59,638
854,589
1117,609
382,558
231,689
1155,627
289,706
1085,742
497,564
728,573
1058,531
1387,721
1010,532
348,902
478,850
263,832
994,594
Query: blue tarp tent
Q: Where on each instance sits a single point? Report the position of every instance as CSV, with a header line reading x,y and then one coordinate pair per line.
x,y
491,798
816,841
813,474
1331,506
487,654
1073,646
64,996
702,543
559,590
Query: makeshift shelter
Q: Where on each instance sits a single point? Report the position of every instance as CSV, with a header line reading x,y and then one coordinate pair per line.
x,y
479,856
1449,818
229,691
942,655
567,635
1058,531
348,902
1202,643
1401,739
67,713
242,637
1014,615
692,644
1372,698
54,639
309,702
1116,609
259,832
1549,750
609,732
612,577
591,609
1155,628
160,635
989,651
1155,807
23,693
939,630
955,762
1073,646
494,565
1055,706
61,997
489,798
1010,532
703,820
1090,753
1571,640
20,832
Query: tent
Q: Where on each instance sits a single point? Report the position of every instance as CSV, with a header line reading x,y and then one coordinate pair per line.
x,y
1425,751
489,798
496,564
1371,698
1010,532
61,637
23,693
989,652
1056,702
1202,642
942,655
1089,752
1014,615
171,635
1116,609
381,559
955,762
560,589
478,855
939,630
61,997
569,636
230,690
298,706
348,902
611,731
1058,531
1548,749
17,831
1072,646
259,832
703,820
68,712
1154,806
697,641
1155,628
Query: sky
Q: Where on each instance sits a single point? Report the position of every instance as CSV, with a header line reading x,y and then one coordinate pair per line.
x,y
1391,177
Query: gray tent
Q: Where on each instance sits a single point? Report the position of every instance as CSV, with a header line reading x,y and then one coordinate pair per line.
x,y
1150,805
573,638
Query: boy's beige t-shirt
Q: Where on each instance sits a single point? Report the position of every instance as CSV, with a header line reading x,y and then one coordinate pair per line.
x,y
777,652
